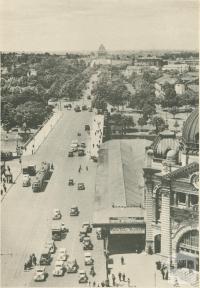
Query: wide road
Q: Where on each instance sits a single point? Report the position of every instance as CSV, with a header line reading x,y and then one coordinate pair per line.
x,y
27,216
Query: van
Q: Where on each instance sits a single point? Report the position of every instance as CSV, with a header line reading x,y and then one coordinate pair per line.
x,y
45,258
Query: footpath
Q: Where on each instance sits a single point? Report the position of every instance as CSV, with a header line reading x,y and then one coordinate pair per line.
x,y
96,134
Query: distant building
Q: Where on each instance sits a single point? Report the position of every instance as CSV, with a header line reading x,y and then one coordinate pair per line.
x,y
160,82
4,70
32,72
149,61
102,51
176,67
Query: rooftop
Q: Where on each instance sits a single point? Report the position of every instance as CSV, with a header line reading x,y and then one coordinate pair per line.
x,y
119,185
166,78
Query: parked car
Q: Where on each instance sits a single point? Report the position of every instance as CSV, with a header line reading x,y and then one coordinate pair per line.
x,y
87,244
83,145
81,152
56,214
88,227
70,154
59,269
99,233
74,211
82,233
84,108
88,97
71,266
50,244
62,254
88,259
40,274
45,257
87,127
26,180
81,186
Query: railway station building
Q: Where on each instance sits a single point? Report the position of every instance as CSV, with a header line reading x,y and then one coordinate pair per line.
x,y
159,213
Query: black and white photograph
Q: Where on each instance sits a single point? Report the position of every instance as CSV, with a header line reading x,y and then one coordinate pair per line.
x,y
99,143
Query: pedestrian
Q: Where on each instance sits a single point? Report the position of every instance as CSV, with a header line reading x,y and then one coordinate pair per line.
x,y
52,166
34,259
122,260
8,167
1,191
120,276
4,187
123,277
89,283
163,273
4,180
94,284
128,280
113,279
32,151
86,168
80,168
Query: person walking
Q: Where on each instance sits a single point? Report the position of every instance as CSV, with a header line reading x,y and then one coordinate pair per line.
x,y
4,187
128,280
113,279
86,168
34,260
1,191
122,260
8,167
94,284
120,276
123,277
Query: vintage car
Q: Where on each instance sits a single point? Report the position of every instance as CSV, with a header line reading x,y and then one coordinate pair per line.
x,y
62,254
71,266
74,211
59,269
83,278
45,257
71,182
79,134
83,145
81,152
84,108
56,214
88,259
82,233
26,180
81,186
74,147
87,244
88,227
51,246
99,233
70,154
40,274
88,97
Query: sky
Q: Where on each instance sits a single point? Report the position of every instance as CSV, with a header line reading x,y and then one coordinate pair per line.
x,y
77,25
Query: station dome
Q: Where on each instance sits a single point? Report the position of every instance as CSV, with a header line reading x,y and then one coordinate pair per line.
x,y
172,156
190,133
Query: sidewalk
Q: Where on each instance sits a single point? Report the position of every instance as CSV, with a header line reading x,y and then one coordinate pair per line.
x,y
141,270
96,134
38,139
15,169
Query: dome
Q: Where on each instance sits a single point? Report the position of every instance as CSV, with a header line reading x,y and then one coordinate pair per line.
x,y
164,142
190,133
171,154
171,157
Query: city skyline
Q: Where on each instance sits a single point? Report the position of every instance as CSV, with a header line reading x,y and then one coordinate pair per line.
x,y
82,26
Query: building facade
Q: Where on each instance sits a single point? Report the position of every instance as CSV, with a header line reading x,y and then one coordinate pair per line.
x,y
171,197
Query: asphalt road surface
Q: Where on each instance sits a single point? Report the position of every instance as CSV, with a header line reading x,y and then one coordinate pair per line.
x,y
27,216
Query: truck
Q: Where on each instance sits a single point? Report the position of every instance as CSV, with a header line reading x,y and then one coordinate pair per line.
x,y
42,175
30,170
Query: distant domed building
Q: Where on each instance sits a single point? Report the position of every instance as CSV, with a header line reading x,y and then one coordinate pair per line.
x,y
171,198
102,53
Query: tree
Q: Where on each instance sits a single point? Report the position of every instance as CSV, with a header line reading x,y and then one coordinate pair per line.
x,y
142,122
159,123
